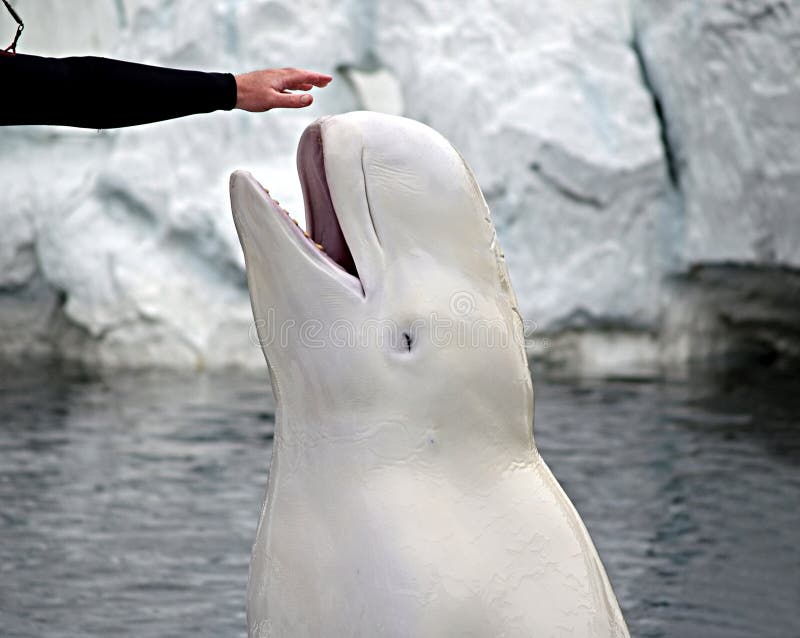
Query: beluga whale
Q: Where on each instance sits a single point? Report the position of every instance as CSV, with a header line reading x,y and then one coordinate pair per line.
x,y
406,496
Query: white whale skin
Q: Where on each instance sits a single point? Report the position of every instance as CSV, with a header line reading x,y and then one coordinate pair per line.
x,y
406,496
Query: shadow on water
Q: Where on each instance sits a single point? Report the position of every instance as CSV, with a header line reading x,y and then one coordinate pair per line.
x,y
128,502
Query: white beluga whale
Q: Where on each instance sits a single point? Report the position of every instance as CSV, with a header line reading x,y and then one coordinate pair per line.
x,y
406,496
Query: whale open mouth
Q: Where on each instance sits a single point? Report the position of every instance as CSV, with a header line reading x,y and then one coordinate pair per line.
x,y
324,239
324,236
324,244
322,223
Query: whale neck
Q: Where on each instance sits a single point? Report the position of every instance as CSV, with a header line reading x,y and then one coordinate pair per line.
x,y
438,443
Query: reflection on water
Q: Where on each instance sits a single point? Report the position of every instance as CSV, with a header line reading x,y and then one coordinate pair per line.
x,y
128,503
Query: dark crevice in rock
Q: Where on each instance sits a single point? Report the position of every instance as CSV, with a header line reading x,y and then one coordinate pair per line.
x,y
749,16
122,14
207,255
669,154
568,192
133,208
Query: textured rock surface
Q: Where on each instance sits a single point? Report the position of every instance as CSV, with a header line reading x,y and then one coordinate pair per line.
x,y
621,145
727,74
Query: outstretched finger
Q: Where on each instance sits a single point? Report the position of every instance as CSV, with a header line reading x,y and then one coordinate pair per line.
x,y
295,77
291,100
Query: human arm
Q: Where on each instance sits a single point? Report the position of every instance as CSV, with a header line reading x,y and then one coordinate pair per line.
x,y
98,93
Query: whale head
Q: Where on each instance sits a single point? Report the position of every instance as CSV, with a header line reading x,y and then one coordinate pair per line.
x,y
393,318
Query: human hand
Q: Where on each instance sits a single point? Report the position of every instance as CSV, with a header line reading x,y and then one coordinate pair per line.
x,y
260,91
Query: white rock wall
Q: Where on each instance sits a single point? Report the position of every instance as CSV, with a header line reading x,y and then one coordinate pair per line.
x,y
727,73
726,76
117,247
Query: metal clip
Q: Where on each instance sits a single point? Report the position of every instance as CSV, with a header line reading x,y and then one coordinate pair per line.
x,y
12,48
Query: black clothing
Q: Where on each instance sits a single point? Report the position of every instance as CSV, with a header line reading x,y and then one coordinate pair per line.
x,y
100,93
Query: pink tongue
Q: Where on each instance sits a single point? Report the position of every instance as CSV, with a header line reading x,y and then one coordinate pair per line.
x,y
321,221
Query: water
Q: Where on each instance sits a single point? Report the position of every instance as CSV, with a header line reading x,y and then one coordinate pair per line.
x,y
128,503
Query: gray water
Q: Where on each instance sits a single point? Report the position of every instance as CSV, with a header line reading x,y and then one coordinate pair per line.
x,y
128,503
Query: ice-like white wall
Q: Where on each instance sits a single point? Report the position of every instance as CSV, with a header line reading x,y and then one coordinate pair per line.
x,y
727,75
623,147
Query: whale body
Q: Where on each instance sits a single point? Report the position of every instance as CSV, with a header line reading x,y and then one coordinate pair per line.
x,y
406,496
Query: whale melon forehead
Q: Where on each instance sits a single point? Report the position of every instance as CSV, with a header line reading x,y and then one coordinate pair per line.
x,y
421,195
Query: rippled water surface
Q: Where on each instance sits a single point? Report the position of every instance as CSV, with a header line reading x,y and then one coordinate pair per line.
x,y
128,503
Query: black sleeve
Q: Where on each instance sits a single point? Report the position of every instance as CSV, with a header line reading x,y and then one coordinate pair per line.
x,y
100,93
